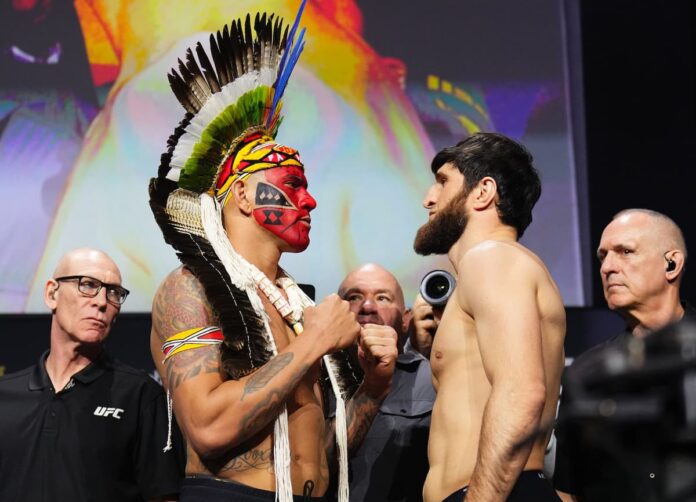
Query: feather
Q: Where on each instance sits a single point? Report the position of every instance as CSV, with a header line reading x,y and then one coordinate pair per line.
x,y
228,53
287,63
181,91
248,46
192,92
216,50
259,43
236,44
237,86
276,37
208,71
283,77
288,39
197,83
231,305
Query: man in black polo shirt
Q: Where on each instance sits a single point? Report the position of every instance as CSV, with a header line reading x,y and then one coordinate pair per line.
x,y
78,425
642,255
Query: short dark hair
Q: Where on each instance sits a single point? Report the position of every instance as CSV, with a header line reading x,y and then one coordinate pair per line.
x,y
508,163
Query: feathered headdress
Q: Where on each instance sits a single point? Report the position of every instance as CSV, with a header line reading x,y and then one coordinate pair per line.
x,y
233,101
233,104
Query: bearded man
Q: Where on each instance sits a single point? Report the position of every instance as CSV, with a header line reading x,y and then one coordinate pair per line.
x,y
497,356
240,347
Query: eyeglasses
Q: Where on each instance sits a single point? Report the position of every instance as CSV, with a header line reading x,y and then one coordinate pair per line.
x,y
89,286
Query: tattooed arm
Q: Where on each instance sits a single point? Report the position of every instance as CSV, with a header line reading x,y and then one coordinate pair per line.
x,y
377,354
361,409
218,414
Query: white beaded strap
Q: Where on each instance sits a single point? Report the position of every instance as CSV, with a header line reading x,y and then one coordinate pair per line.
x,y
168,446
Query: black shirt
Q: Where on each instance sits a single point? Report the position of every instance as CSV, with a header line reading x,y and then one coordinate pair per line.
x,y
599,464
99,439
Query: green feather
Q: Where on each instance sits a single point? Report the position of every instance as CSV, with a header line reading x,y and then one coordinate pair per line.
x,y
200,170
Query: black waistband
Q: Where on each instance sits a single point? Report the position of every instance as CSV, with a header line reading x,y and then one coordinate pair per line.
x,y
209,489
531,486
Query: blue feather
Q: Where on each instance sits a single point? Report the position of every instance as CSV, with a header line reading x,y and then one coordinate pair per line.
x,y
287,63
295,52
291,37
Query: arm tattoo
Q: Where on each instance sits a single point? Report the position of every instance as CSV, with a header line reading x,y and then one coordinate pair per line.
x,y
361,410
189,364
180,304
268,409
264,375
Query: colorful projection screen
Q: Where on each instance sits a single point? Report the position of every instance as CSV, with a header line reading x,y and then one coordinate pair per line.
x,y
85,112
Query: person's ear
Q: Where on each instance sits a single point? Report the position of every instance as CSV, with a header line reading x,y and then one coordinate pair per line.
x,y
485,193
406,319
674,265
51,294
241,193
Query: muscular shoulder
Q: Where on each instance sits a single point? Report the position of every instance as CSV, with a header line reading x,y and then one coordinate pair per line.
x,y
180,304
494,271
499,257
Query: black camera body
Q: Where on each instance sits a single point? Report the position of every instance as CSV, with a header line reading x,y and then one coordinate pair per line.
x,y
437,286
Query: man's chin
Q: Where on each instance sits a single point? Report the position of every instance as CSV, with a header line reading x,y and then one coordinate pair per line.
x,y
295,247
426,247
617,302
92,337
430,239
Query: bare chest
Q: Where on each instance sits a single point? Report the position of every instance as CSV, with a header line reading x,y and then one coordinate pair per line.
x,y
455,344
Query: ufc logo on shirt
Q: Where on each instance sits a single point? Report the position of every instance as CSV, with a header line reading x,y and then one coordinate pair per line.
x,y
103,411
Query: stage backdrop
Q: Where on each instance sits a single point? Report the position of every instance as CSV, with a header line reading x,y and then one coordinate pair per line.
x,y
85,112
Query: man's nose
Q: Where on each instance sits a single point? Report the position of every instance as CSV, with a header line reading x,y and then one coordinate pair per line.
x,y
608,264
430,197
100,299
368,306
307,201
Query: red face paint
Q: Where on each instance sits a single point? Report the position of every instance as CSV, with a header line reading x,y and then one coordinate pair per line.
x,y
283,205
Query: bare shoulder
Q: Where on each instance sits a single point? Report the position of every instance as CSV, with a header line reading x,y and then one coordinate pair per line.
x,y
180,304
495,271
499,257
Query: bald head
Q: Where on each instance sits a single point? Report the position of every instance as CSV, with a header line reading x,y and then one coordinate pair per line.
x,y
376,274
660,228
375,296
80,317
642,255
78,261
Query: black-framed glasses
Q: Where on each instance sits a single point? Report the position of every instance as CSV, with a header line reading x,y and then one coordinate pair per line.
x,y
89,286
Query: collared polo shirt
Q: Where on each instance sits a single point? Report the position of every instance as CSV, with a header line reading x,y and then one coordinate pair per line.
x,y
101,438
392,462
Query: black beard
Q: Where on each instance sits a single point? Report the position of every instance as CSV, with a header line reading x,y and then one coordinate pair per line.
x,y
439,235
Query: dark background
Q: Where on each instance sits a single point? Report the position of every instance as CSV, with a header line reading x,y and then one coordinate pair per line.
x,y
638,63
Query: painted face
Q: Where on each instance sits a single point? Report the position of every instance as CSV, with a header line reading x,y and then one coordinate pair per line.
x,y
283,205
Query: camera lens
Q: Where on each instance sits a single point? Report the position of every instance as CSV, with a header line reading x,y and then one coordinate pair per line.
x,y
436,287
